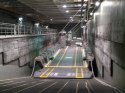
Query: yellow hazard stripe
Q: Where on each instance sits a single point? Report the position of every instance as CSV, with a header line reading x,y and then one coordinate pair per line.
x,y
54,57
82,73
76,72
62,56
66,66
46,76
75,56
44,72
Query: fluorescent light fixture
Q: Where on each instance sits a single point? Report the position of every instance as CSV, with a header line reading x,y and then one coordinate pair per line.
x,y
91,14
36,24
51,19
67,11
46,27
64,6
97,3
20,18
85,0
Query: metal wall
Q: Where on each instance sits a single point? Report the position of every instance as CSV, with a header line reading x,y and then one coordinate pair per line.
x,y
109,28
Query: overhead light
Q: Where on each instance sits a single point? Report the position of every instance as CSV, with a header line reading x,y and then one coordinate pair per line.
x,y
97,3
85,0
36,24
67,11
20,18
91,14
64,6
46,27
51,19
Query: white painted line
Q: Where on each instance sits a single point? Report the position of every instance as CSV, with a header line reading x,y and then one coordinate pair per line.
x,y
13,88
63,87
77,87
105,84
87,87
89,84
15,78
14,83
30,87
17,86
47,87
6,82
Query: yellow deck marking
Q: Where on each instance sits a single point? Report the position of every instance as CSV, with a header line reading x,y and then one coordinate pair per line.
x,y
54,57
76,72
82,74
82,57
45,76
44,72
66,66
49,72
76,56
62,56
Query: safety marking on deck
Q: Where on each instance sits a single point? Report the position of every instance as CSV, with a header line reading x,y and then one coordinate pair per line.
x,y
66,67
47,73
79,73
44,72
62,56
50,70
54,57
76,50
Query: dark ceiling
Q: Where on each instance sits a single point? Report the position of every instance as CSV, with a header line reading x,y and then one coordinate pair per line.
x,y
48,11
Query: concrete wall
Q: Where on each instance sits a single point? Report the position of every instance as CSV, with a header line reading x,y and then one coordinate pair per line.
x,y
109,27
17,53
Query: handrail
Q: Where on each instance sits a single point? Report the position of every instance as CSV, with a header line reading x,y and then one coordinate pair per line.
x,y
13,29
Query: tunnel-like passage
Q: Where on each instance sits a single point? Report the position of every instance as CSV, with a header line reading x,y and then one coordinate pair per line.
x,y
62,46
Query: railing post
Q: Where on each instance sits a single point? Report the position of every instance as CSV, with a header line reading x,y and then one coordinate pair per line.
x,y
24,30
14,29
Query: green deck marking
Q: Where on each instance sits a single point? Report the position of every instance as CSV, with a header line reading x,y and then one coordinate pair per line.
x,y
76,56
62,56
54,57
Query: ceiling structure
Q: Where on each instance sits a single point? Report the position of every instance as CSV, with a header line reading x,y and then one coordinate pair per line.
x,y
50,11
54,11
